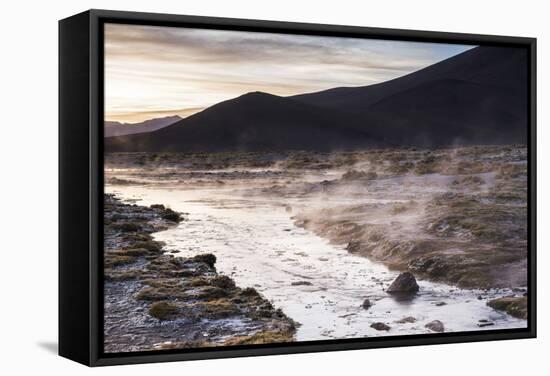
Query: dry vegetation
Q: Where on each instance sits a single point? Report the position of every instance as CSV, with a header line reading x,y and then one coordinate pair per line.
x,y
456,215
145,286
467,223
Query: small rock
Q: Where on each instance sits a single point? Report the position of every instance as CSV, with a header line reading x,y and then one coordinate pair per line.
x,y
366,304
483,320
347,315
380,326
208,258
480,297
405,320
405,283
301,283
439,304
436,326
483,324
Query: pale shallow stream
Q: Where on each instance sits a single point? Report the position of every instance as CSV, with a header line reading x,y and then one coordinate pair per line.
x,y
257,244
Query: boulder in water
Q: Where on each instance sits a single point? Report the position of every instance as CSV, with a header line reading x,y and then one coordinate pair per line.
x,y
380,326
366,304
406,320
436,326
405,283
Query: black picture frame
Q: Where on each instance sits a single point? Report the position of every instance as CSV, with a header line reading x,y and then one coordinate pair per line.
x,y
81,186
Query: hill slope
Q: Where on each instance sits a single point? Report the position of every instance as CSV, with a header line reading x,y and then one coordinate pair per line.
x,y
479,96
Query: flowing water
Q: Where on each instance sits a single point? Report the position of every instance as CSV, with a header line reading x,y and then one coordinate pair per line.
x,y
319,285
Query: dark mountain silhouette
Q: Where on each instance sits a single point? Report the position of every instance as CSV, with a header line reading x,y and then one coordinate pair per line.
x,y
254,121
115,128
477,97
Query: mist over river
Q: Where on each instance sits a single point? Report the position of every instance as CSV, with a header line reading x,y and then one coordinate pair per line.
x,y
320,285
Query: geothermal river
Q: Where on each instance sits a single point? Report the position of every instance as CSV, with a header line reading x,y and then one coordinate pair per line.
x,y
257,244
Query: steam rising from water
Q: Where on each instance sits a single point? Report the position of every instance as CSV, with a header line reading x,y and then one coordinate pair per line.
x,y
311,219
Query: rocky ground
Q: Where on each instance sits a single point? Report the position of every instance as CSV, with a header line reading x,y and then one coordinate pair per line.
x,y
153,300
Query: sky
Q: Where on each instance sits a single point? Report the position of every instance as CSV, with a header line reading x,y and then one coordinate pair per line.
x,y
156,71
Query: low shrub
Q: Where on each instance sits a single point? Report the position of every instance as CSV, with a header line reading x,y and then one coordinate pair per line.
x,y
163,310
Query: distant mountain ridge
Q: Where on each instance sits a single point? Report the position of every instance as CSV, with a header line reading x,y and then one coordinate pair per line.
x,y
115,128
476,97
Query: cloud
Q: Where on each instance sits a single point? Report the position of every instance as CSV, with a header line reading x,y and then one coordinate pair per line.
x,y
150,68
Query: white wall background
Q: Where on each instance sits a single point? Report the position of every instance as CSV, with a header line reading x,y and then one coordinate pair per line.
x,y
28,125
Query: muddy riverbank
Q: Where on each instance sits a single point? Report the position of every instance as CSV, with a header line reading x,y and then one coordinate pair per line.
x,y
153,300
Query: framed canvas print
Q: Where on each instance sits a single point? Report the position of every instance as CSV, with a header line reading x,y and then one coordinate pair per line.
x,y
238,187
